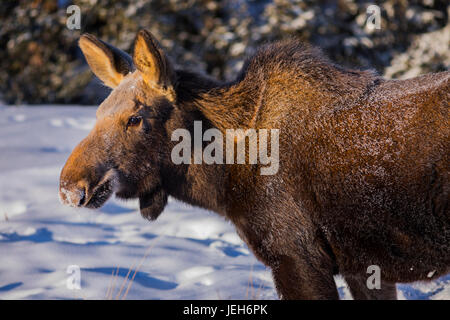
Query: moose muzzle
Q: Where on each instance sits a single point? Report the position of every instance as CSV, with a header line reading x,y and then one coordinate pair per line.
x,y
85,181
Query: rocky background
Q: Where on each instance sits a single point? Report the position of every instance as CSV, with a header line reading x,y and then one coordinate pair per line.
x,y
41,63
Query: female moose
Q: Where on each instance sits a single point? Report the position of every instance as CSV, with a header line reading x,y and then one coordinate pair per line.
x,y
363,173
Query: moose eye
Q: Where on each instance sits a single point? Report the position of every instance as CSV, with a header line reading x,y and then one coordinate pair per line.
x,y
133,121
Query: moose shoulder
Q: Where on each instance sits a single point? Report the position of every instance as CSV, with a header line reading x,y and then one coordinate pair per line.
x,y
363,162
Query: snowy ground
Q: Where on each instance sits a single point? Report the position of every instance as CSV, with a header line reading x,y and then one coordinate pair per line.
x,y
187,253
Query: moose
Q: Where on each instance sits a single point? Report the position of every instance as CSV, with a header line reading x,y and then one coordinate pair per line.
x,y
363,176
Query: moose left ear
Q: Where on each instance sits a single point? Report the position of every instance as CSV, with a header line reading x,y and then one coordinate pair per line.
x,y
151,61
152,204
108,63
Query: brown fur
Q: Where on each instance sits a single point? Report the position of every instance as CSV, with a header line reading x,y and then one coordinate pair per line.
x,y
364,163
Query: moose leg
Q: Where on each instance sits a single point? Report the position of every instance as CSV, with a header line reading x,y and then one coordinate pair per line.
x,y
300,257
298,279
360,291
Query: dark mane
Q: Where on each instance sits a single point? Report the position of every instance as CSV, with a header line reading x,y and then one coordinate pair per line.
x,y
288,56
297,58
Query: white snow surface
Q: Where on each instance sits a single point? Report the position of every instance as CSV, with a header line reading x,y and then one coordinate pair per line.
x,y
188,253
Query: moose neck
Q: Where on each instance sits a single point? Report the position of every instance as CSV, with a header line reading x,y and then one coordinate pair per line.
x,y
216,105
239,105
201,184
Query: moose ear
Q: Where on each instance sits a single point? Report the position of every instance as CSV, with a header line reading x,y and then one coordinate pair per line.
x,y
108,63
151,61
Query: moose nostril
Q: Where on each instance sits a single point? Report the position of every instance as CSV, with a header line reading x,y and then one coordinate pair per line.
x,y
82,198
74,196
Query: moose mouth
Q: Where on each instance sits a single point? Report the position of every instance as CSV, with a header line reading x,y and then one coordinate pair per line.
x,y
151,203
100,195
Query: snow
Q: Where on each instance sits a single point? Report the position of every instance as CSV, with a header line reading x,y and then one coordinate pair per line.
x,y
188,253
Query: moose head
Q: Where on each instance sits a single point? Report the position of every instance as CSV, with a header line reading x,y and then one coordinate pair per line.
x,y
123,153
